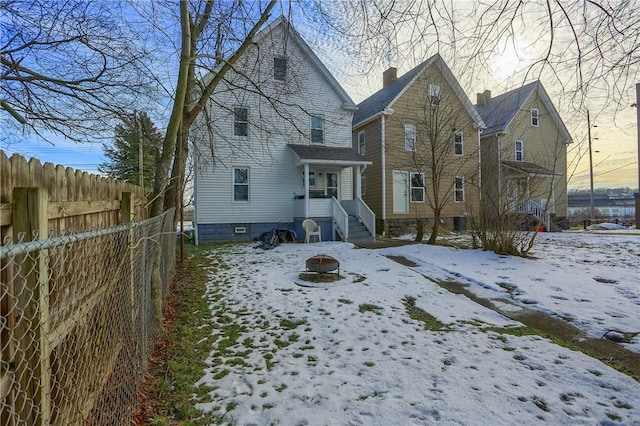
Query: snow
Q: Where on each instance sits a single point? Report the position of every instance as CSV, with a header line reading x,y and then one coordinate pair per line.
x,y
349,353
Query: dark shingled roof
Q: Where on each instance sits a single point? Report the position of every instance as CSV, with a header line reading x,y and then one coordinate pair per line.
x,y
328,153
530,168
383,97
499,112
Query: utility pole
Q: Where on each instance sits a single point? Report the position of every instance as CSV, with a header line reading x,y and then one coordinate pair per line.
x,y
637,194
591,211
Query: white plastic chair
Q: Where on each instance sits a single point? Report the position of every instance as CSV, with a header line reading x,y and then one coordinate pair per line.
x,y
311,228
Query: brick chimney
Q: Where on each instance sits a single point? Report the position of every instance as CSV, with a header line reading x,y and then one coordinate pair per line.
x,y
389,76
483,98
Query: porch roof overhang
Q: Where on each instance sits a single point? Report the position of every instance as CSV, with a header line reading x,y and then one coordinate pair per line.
x,y
530,169
328,155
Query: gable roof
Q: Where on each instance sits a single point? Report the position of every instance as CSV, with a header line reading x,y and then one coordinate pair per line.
x,y
500,111
321,154
347,102
376,104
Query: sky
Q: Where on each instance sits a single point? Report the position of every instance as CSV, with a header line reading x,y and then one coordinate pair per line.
x,y
348,353
511,63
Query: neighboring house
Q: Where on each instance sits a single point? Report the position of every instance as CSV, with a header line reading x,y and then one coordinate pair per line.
x,y
524,153
610,206
275,147
418,126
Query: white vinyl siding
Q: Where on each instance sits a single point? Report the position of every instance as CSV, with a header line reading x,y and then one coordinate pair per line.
x,y
274,178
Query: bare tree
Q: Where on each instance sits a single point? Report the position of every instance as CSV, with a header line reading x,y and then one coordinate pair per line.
x,y
440,148
70,68
209,31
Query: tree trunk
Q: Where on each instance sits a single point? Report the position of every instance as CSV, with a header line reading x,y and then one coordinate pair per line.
x,y
436,226
169,143
419,230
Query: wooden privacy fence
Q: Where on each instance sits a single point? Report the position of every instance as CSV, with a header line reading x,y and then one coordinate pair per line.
x,y
77,201
78,315
83,275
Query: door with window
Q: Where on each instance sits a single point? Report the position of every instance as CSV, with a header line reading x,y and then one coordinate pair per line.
x,y
400,192
332,185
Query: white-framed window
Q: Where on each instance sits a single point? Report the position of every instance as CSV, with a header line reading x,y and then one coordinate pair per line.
x,y
317,129
535,117
434,94
519,150
458,143
409,137
361,142
312,179
241,121
458,189
240,184
280,68
417,187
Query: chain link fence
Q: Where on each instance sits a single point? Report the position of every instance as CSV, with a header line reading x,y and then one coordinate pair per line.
x,y
78,316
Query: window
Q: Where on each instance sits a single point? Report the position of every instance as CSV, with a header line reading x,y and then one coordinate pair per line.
x,y
240,184
458,189
240,121
363,185
417,187
535,117
317,129
279,69
434,94
312,178
409,137
519,151
458,143
361,143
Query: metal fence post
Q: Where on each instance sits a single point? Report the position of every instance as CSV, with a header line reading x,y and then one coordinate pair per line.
x,y
32,361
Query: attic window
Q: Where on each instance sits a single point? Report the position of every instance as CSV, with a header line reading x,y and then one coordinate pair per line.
x,y
535,117
280,69
434,94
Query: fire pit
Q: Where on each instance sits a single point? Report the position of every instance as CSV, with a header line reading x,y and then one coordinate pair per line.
x,y
321,264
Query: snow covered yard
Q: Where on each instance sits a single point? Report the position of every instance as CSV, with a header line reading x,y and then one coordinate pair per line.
x,y
386,345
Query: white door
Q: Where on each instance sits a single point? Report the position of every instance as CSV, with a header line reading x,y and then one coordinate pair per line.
x,y
400,192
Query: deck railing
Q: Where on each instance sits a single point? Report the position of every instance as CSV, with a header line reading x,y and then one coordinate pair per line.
x,y
367,216
340,219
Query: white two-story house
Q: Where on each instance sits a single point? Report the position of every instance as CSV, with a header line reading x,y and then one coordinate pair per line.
x,y
275,147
